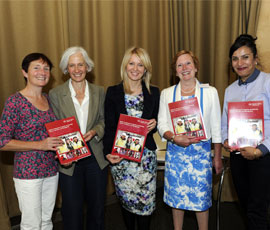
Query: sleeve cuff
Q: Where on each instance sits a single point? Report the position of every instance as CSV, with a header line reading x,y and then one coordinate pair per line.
x,y
263,149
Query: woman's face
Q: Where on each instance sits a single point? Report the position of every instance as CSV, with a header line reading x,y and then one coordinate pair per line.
x,y
77,67
244,62
185,67
38,73
135,68
180,123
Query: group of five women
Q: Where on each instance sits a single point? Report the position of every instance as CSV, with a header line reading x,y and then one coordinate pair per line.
x,y
188,168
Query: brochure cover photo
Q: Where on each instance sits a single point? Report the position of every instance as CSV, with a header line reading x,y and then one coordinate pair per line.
x,y
130,137
246,123
74,147
187,118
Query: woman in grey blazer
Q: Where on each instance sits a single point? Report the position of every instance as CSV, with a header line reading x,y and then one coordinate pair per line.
x,y
86,179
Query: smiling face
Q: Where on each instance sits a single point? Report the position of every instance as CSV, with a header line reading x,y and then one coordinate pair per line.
x,y
38,73
185,68
254,127
180,123
135,68
244,62
77,67
194,121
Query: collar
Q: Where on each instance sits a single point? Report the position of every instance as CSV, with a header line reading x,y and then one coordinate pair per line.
x,y
72,91
250,79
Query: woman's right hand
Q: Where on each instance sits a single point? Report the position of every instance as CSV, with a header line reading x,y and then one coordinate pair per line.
x,y
50,143
67,165
114,159
64,164
185,141
227,147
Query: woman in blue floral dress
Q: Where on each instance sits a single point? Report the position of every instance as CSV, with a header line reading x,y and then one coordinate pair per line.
x,y
22,129
188,167
135,183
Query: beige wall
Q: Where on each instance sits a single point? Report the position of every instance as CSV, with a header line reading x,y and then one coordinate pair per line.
x,y
263,34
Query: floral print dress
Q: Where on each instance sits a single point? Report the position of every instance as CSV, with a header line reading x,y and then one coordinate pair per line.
x,y
135,183
188,176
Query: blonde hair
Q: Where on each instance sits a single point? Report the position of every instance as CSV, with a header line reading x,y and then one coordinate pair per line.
x,y
145,59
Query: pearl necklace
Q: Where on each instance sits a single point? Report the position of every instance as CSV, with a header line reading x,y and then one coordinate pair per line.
x,y
189,91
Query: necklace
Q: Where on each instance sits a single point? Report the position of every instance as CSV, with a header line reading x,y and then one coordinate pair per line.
x,y
189,91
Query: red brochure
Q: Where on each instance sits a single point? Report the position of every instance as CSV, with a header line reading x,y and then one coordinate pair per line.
x,y
245,123
74,147
130,137
187,118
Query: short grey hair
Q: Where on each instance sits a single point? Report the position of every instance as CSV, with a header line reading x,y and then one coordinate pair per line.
x,y
73,50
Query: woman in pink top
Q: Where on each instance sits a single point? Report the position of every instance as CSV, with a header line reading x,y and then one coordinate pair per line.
x,y
22,130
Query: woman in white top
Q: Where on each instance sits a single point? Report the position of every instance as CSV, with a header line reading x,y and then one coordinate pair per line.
x,y
188,168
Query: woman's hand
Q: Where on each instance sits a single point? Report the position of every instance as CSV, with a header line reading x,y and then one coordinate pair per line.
x,y
250,153
227,147
89,135
66,165
217,164
50,143
185,141
217,161
114,159
151,124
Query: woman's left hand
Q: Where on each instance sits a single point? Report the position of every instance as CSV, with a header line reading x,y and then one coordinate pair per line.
x,y
89,135
114,159
185,141
151,124
217,164
249,153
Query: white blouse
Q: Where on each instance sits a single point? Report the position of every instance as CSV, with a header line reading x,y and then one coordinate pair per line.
x,y
211,110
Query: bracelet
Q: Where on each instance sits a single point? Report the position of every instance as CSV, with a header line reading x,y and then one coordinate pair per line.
x,y
172,138
255,153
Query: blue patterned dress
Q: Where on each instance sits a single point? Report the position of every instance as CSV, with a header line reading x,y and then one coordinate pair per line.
x,y
135,183
188,176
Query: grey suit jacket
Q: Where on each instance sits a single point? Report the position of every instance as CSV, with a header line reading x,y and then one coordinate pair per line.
x,y
63,107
